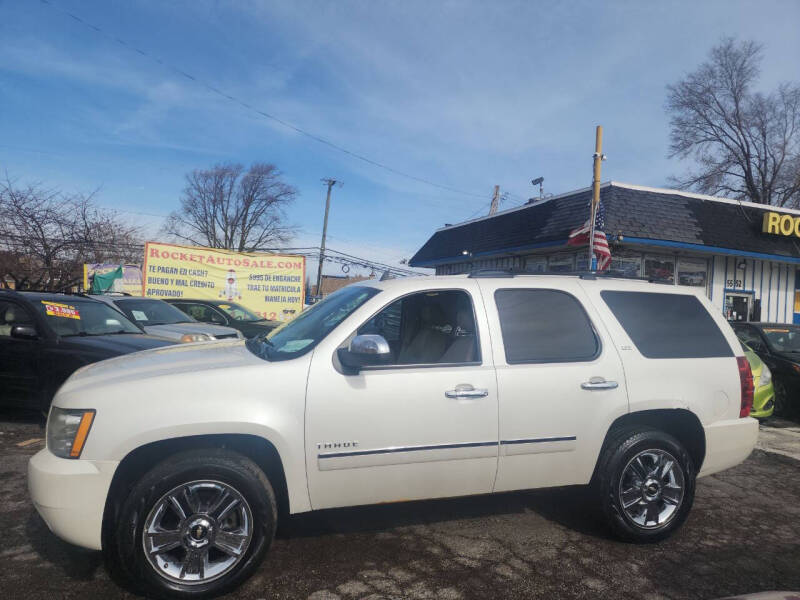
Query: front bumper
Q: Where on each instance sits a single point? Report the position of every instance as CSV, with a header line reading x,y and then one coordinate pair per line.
x,y
728,443
763,402
765,409
70,495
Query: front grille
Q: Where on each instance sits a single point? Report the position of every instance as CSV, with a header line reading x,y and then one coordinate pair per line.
x,y
225,336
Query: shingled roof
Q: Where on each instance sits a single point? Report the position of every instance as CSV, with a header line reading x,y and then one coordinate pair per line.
x,y
639,214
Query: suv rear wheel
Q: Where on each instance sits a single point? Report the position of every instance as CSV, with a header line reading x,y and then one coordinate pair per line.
x,y
194,526
646,483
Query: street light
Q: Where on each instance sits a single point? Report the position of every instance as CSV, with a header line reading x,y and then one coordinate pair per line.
x,y
538,181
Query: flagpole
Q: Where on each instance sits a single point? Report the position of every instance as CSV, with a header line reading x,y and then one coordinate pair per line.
x,y
598,158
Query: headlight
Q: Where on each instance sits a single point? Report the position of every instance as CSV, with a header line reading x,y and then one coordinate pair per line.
x,y
195,337
766,376
67,430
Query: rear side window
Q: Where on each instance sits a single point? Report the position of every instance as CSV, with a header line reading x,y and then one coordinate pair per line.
x,y
667,325
544,326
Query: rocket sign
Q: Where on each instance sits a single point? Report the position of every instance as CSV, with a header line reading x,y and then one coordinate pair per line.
x,y
270,285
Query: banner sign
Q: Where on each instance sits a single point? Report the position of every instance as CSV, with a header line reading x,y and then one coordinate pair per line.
x,y
131,282
270,285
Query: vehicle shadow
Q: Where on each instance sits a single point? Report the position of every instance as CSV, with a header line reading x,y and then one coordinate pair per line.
x,y
76,563
571,507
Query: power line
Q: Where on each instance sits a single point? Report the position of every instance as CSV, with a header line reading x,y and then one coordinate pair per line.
x,y
18,243
250,108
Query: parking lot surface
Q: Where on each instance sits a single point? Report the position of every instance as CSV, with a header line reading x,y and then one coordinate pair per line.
x,y
743,536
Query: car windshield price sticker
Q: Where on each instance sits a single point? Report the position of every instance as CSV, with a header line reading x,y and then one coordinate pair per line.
x,y
67,311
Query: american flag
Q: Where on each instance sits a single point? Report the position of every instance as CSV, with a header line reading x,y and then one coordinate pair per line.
x,y
580,237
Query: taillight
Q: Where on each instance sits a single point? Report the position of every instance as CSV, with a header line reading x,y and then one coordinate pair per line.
x,y
746,379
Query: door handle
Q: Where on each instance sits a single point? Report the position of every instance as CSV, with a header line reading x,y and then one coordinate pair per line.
x,y
599,383
465,390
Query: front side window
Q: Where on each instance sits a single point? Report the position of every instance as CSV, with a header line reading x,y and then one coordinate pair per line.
x,y
239,312
298,336
667,325
749,336
544,326
11,315
433,327
152,312
201,312
73,317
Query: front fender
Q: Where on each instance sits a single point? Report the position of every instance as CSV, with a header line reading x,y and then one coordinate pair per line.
x,y
292,457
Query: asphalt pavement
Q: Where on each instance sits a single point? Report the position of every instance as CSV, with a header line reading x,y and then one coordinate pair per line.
x,y
743,536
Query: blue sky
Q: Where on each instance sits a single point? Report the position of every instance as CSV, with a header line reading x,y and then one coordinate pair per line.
x,y
465,94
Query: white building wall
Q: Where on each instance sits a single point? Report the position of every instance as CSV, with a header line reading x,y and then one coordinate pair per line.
x,y
717,281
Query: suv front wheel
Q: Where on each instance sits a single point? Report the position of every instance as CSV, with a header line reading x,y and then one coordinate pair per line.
x,y
194,526
646,483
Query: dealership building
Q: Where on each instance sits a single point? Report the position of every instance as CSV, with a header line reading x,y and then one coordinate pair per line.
x,y
745,256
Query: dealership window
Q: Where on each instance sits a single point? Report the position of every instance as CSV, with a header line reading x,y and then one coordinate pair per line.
x,y
630,265
544,326
536,264
659,267
560,263
692,272
667,325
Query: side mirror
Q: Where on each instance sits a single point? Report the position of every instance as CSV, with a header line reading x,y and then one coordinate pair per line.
x,y
24,332
365,351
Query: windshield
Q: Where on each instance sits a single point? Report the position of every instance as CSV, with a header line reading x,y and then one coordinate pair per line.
x,y
239,312
305,331
152,312
82,317
783,338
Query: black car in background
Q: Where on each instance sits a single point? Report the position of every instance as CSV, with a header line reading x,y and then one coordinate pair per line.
x,y
45,337
778,345
230,314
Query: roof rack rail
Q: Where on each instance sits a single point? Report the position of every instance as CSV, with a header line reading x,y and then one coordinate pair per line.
x,y
586,275
106,293
491,273
41,291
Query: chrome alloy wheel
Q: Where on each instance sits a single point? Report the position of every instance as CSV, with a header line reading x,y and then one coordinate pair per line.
x,y
197,532
651,488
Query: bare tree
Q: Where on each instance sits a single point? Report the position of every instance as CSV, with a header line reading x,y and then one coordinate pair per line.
x,y
47,236
746,143
228,207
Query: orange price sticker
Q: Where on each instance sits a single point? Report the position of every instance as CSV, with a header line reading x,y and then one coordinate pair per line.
x,y
56,309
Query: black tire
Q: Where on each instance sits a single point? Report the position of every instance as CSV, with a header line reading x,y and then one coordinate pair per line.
x,y
614,474
124,550
781,399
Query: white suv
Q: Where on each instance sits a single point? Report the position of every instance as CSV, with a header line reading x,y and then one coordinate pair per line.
x,y
178,461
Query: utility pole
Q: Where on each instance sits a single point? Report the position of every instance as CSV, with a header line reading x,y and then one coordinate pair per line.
x,y
330,183
495,200
598,159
